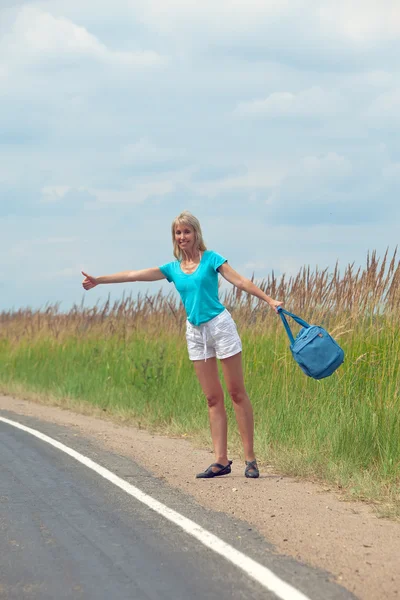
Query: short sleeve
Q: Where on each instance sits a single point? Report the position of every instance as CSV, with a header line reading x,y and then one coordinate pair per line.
x,y
216,260
166,270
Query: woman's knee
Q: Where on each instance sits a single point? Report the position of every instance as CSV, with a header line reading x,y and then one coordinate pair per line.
x,y
237,394
214,399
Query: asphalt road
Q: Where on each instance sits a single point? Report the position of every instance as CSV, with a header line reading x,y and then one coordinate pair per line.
x,y
67,533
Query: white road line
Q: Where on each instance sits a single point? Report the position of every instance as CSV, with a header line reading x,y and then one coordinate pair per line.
x,y
264,576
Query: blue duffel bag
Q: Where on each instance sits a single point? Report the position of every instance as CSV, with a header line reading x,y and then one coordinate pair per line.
x,y
315,351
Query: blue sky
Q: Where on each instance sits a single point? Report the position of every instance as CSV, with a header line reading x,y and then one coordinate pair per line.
x,y
276,123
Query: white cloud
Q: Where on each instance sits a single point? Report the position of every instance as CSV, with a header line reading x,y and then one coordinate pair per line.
x,y
295,31
312,102
361,21
42,32
287,31
39,35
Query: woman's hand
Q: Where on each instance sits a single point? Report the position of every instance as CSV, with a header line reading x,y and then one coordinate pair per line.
x,y
89,282
275,304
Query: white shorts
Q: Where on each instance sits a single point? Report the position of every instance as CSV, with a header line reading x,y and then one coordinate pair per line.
x,y
218,337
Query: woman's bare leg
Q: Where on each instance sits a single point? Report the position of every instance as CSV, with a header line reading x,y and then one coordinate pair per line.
x,y
233,374
207,373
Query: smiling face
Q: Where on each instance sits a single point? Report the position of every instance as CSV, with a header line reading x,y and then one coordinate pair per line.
x,y
185,237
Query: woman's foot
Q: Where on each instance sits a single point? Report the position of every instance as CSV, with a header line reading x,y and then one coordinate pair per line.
x,y
251,471
215,470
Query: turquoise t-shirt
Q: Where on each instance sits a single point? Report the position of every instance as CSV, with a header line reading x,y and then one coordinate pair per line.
x,y
198,290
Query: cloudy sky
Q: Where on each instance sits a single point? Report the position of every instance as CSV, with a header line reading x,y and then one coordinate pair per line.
x,y
276,122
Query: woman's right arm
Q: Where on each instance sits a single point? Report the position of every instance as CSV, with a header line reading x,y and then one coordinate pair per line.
x,y
153,274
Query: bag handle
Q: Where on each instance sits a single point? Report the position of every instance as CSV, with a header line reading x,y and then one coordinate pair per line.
x,y
282,312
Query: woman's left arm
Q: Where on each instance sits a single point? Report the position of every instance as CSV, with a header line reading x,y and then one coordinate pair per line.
x,y
246,285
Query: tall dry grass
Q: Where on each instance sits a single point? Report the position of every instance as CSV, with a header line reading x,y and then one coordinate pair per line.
x,y
355,295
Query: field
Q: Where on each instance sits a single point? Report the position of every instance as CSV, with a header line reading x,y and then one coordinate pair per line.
x,y
129,360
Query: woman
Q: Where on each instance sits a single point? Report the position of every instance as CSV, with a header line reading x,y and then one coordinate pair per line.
x,y
210,332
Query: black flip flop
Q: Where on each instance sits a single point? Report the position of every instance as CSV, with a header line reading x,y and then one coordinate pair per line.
x,y
208,473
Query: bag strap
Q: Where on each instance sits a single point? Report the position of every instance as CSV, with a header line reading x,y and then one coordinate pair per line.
x,y
282,312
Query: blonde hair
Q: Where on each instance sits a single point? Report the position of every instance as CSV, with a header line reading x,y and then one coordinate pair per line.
x,y
186,218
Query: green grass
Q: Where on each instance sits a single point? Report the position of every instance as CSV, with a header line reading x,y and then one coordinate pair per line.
x,y
344,430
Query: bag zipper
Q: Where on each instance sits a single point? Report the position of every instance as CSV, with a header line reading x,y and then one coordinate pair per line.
x,y
305,342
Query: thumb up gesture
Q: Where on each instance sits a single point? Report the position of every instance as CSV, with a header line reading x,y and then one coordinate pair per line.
x,y
89,282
